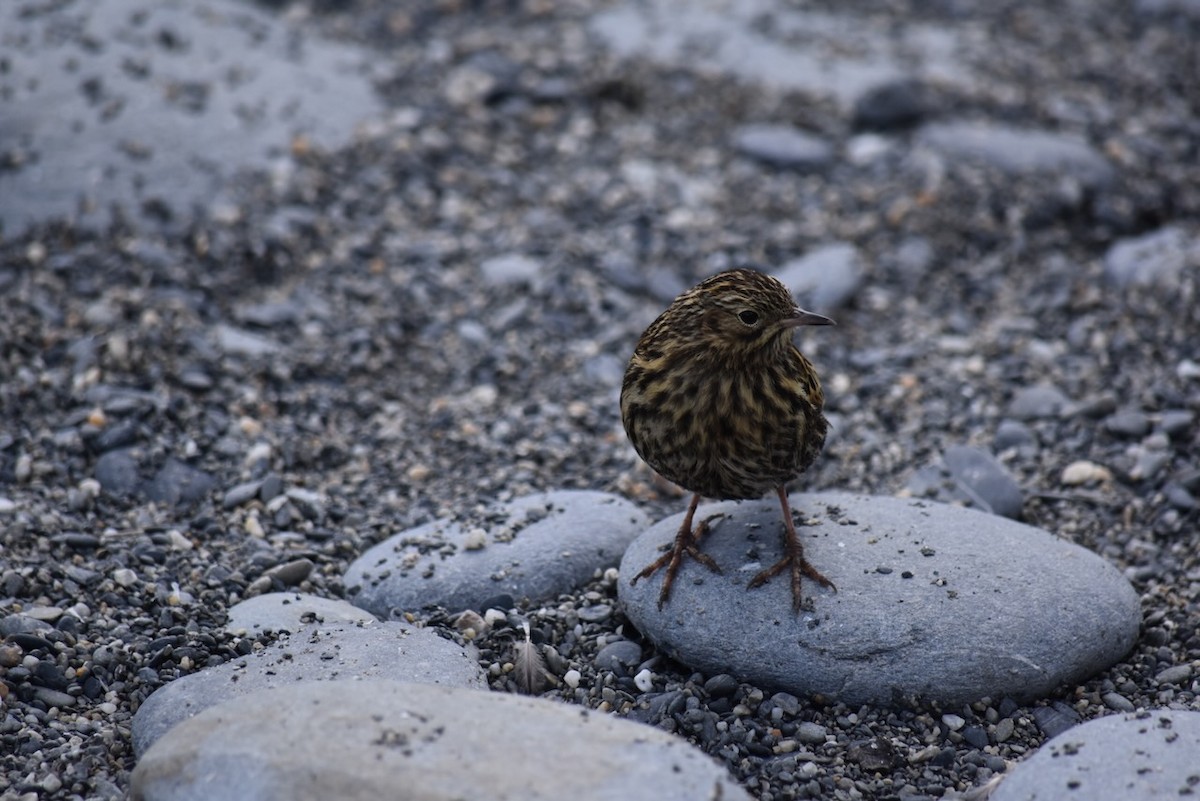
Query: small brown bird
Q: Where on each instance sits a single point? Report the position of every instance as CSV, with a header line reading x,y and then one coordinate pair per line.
x,y
718,400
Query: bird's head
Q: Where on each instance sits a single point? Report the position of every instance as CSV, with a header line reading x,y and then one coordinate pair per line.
x,y
743,311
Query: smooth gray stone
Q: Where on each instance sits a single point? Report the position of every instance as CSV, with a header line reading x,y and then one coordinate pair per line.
x,y
933,601
782,146
1154,258
1019,150
291,612
1142,755
824,278
730,38
363,741
329,655
987,482
1039,400
151,106
117,472
533,547
179,484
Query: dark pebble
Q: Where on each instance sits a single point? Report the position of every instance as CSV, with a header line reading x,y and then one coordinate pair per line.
x,y
622,653
75,539
272,487
503,602
242,493
1179,497
899,104
1129,423
117,472
48,674
721,685
179,484
1013,434
120,434
976,736
985,480
1054,720
1176,422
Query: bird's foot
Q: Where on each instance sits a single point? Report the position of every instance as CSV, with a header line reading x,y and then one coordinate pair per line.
x,y
794,560
687,541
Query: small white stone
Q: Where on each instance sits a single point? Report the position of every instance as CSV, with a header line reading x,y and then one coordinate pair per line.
x,y
178,541
259,452
1084,472
124,577
572,677
476,540
953,722
644,680
7,505
90,487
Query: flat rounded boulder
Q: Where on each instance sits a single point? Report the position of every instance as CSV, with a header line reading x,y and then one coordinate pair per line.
x,y
534,547
933,602
385,739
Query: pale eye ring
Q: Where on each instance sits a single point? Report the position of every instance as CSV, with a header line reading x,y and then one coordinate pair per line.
x,y
748,316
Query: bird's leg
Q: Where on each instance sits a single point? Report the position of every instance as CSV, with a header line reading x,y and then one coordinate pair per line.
x,y
687,540
793,557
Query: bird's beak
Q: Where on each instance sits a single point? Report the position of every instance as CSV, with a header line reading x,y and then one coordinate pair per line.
x,y
801,317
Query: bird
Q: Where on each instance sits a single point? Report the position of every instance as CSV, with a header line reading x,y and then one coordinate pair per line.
x,y
718,400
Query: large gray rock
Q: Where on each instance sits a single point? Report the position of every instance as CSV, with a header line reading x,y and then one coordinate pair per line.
x,y
150,106
534,547
381,739
341,653
1019,150
826,277
291,612
1158,257
1151,754
933,601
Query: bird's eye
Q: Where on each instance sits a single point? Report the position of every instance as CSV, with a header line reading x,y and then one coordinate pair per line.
x,y
748,316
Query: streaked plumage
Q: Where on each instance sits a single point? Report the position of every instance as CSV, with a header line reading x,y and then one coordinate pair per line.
x,y
719,400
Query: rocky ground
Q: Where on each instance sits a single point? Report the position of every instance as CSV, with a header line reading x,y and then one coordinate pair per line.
x,y
436,314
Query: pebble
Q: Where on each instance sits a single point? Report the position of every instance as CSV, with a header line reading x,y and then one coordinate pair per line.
x,y
1019,150
333,655
825,278
1117,702
984,480
373,736
811,733
539,546
1030,403
618,655
236,341
1084,472
179,484
117,472
1152,754
892,105
1176,674
1013,434
1157,257
782,146
1130,423
966,574
510,269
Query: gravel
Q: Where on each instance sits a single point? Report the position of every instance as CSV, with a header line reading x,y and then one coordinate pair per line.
x,y
321,321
